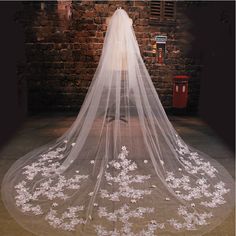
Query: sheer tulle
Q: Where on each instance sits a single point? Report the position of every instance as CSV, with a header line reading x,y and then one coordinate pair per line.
x,y
121,168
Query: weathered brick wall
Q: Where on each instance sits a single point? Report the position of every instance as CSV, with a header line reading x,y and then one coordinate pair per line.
x,y
62,55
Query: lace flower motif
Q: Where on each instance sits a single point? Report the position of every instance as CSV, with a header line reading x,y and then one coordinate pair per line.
x,y
123,165
124,179
52,187
191,219
193,163
68,220
199,190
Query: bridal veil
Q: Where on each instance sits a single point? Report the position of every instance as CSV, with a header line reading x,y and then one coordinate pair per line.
x,y
121,169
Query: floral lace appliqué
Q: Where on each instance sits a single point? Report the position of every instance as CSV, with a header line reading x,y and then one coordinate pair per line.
x,y
200,189
191,219
124,179
51,187
192,162
124,166
121,174
68,220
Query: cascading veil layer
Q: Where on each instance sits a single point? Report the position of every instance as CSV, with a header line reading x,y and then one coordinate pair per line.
x,y
121,169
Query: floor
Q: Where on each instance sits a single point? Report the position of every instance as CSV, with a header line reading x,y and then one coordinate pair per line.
x,y
38,130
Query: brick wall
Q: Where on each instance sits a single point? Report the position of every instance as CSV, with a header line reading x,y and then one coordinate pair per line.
x,y
62,55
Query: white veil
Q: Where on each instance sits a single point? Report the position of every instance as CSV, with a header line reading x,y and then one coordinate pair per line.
x,y
121,168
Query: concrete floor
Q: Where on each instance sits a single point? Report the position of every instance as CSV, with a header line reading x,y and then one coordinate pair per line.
x,y
38,130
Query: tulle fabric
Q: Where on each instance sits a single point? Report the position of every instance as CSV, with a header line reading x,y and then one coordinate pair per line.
x,y
121,168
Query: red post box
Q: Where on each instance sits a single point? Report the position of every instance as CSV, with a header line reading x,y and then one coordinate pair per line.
x,y
180,91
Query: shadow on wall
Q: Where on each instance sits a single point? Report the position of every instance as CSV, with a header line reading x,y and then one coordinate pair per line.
x,y
13,87
214,45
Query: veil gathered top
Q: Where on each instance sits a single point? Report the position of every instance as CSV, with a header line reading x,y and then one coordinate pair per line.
x,y
121,169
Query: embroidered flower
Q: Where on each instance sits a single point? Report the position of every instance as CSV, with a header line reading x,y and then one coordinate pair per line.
x,y
116,165
68,220
193,163
190,219
124,179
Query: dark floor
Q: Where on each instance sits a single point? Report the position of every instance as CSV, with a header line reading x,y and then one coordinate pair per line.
x,y
38,130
